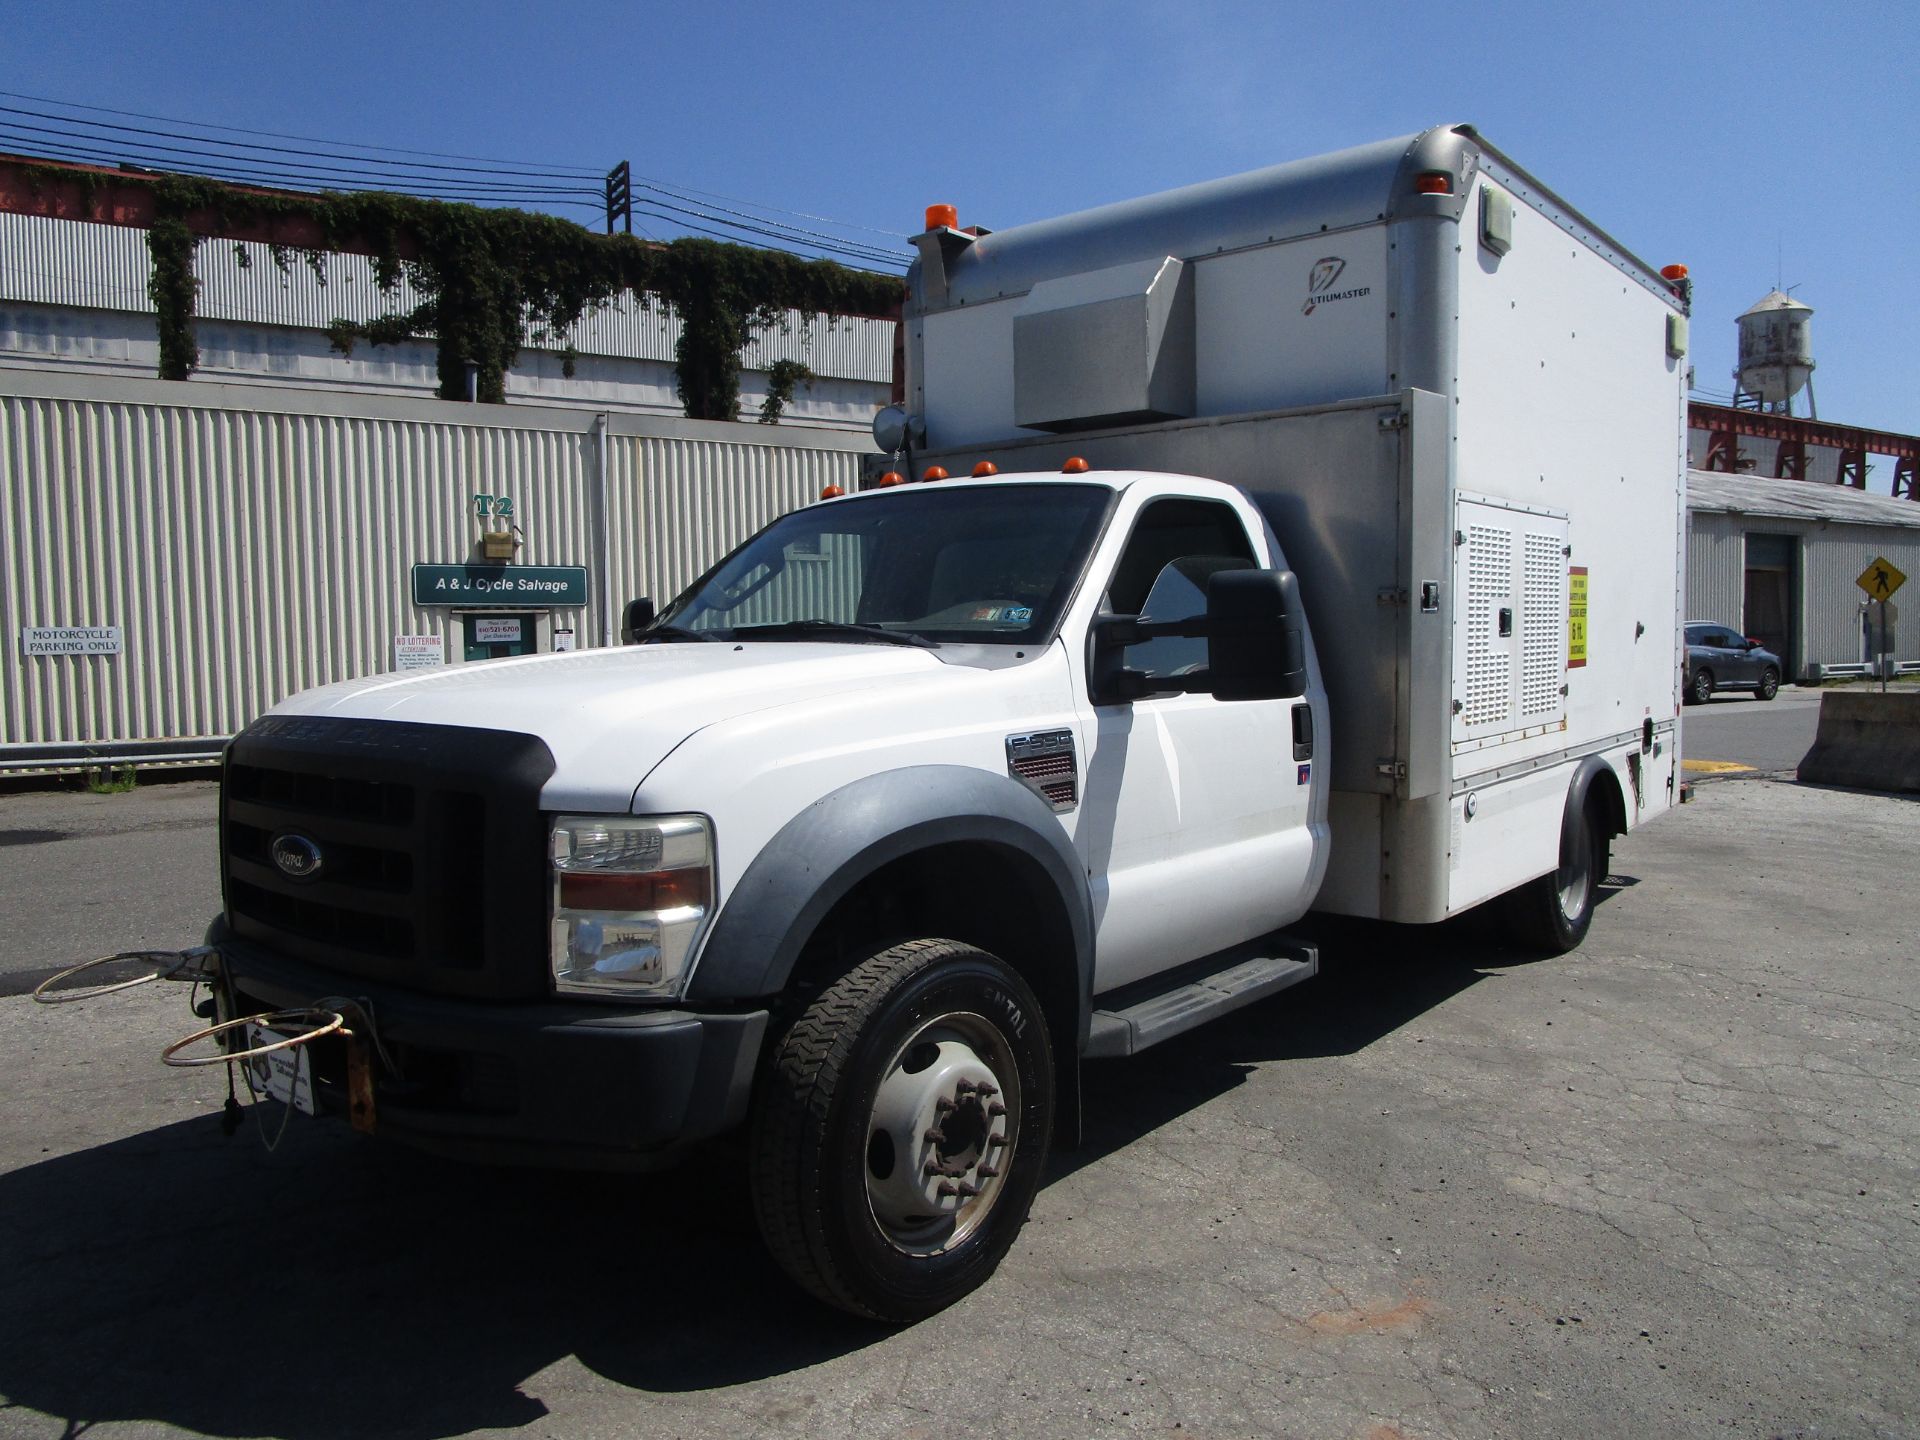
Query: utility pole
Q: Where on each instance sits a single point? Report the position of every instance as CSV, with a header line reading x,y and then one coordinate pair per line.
x,y
620,196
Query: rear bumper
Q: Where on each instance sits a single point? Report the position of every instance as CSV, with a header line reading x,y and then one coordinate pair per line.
x,y
545,1083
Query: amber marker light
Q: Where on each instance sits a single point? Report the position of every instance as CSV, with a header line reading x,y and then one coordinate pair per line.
x,y
1075,466
892,477
1673,272
1434,182
831,492
935,472
984,469
942,217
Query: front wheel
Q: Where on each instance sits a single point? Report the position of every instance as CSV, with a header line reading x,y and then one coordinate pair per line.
x,y
901,1129
1769,685
1553,913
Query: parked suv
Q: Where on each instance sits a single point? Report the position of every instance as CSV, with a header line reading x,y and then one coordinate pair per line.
x,y
1721,658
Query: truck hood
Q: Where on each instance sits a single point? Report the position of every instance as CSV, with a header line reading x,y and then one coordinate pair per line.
x,y
610,716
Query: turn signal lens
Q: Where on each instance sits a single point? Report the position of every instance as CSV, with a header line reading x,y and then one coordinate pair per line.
x,y
892,477
935,472
942,216
1434,182
610,890
985,468
1075,466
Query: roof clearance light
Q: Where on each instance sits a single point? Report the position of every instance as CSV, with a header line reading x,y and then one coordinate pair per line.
x,y
1673,272
1434,182
1075,466
935,472
939,216
984,469
831,492
892,477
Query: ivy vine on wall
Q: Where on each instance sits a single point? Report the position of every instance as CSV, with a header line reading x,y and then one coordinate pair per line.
x,y
484,279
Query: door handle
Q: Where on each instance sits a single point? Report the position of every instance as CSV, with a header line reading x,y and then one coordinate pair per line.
x,y
1303,732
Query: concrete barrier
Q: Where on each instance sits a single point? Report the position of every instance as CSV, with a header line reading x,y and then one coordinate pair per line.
x,y
1867,740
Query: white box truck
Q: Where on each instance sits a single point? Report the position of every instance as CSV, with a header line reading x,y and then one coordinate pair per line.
x,y
1332,560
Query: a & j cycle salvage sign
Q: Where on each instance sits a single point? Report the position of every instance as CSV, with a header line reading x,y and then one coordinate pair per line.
x,y
542,587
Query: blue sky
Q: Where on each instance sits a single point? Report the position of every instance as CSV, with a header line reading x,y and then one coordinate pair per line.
x,y
1752,141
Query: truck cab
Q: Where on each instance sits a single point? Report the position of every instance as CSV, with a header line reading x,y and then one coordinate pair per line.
x,y
1049,741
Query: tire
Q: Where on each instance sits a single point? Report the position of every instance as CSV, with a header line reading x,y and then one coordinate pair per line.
x,y
901,1129
1553,913
1769,685
1700,687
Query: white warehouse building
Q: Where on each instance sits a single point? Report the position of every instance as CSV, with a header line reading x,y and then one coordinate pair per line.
x,y
73,296
1777,560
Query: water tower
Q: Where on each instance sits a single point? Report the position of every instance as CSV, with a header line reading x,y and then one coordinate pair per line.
x,y
1776,355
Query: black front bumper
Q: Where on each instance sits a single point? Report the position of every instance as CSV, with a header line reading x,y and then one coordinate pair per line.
x,y
540,1083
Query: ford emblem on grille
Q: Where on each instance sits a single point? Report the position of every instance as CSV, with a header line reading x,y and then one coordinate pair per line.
x,y
297,857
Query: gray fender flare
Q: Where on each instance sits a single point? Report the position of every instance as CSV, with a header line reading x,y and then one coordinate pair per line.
x,y
817,857
1591,770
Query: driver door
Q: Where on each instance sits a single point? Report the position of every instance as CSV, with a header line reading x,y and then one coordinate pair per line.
x,y
1195,821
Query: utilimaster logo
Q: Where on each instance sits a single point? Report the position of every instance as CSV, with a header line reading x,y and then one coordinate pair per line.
x,y
1320,281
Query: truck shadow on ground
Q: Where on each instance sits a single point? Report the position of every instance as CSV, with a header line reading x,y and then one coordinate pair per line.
x,y
335,1287
1374,978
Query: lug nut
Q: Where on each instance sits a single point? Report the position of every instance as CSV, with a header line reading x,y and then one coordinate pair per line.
x,y
996,1110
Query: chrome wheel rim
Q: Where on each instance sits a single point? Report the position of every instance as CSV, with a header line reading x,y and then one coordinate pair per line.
x,y
1574,878
942,1133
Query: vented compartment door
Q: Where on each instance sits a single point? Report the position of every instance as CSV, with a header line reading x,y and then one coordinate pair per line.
x,y
1510,622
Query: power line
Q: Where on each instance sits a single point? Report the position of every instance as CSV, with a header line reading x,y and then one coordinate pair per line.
x,y
580,171
484,182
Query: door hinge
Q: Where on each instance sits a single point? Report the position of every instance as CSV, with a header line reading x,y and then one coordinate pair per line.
x,y
1387,595
1395,421
1391,769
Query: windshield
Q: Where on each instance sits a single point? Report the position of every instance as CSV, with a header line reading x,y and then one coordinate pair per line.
x,y
982,563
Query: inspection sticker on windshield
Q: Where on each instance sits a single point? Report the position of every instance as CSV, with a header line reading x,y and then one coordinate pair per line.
x,y
1019,614
986,612
283,1075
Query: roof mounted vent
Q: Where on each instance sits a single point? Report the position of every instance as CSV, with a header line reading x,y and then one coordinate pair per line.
x,y
1110,347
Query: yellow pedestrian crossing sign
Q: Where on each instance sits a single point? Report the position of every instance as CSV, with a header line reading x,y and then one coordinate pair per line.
x,y
1881,579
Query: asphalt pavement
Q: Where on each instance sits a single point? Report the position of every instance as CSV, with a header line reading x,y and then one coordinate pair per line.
x,y
1666,1185
1735,729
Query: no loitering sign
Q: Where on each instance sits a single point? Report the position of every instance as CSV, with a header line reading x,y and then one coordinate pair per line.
x,y
70,640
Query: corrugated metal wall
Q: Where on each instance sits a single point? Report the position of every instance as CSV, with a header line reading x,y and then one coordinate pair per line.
x,y
249,544
1832,557
105,267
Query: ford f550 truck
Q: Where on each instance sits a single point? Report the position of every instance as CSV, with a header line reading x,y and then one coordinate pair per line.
x,y
1320,549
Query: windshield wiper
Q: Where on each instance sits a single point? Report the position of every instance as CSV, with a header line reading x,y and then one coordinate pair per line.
x,y
674,632
837,629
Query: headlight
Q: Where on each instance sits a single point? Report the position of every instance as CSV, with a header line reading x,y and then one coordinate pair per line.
x,y
630,898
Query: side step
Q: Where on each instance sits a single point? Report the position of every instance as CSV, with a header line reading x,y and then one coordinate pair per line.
x,y
1197,993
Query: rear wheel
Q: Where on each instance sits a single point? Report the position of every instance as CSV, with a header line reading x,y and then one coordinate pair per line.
x,y
1769,685
901,1129
1553,913
1700,687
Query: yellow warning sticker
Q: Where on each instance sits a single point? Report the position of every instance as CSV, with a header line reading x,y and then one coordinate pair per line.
x,y
1576,617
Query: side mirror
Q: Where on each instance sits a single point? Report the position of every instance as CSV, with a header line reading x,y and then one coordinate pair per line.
x,y
1256,646
638,616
